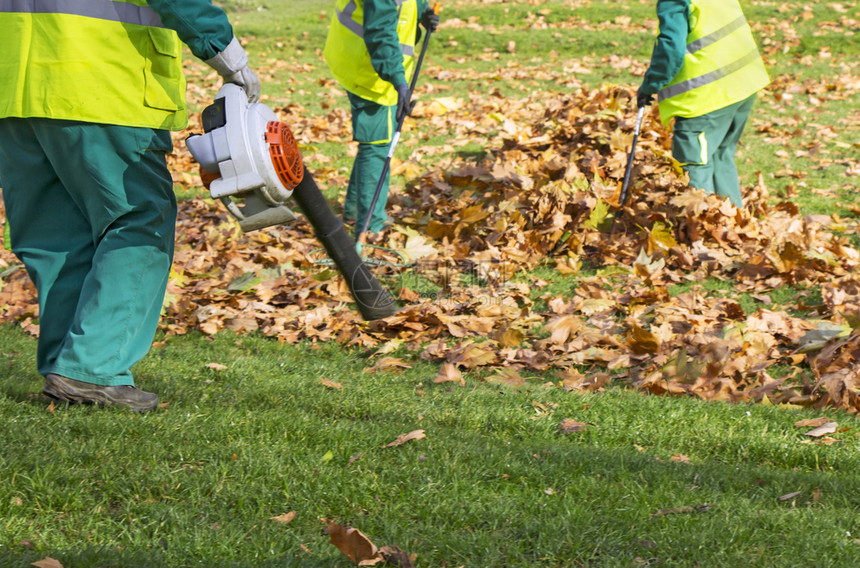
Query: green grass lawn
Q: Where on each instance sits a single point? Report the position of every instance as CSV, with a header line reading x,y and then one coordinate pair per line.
x,y
248,431
494,483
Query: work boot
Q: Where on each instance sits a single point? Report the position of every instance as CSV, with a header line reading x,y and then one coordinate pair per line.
x,y
71,391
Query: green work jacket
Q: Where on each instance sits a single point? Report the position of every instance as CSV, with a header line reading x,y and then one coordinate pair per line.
x,y
108,62
705,58
371,46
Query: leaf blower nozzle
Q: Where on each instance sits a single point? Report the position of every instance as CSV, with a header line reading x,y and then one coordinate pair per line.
x,y
246,154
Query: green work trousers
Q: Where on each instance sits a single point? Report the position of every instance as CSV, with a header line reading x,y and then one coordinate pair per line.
x,y
92,215
706,145
372,127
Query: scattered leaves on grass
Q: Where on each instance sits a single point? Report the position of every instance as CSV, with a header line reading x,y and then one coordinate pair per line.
x,y
403,438
542,196
285,518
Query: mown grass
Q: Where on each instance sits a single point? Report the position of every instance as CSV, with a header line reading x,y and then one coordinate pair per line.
x,y
494,483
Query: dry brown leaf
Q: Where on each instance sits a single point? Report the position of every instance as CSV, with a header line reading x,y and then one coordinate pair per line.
x,y
285,518
812,422
563,328
47,562
642,341
509,337
417,247
216,366
823,430
569,425
388,363
353,544
330,384
507,376
680,458
403,438
449,373
473,355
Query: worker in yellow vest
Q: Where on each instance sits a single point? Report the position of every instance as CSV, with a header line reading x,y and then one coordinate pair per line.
x,y
90,91
705,70
370,49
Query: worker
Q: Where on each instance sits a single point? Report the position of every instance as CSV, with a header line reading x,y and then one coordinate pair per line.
x,y
370,49
90,92
705,70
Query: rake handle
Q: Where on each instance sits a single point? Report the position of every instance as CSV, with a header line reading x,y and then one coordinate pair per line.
x,y
625,194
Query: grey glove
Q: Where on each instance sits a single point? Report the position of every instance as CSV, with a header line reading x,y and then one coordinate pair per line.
x,y
232,65
404,108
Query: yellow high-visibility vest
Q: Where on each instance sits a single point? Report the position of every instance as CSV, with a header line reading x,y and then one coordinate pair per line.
x,y
347,55
722,65
102,61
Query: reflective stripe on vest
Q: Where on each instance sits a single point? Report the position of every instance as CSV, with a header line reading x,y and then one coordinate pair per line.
x,y
722,65
99,61
347,21
712,37
99,9
702,80
348,58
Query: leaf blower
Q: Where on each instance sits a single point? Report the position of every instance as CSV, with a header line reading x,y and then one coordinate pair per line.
x,y
246,154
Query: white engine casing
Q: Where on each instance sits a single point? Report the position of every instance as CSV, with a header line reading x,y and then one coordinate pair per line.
x,y
238,150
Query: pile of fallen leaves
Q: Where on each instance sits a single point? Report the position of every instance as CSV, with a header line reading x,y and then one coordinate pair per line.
x,y
546,196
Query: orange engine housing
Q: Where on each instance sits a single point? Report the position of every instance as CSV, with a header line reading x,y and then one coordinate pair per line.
x,y
284,151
